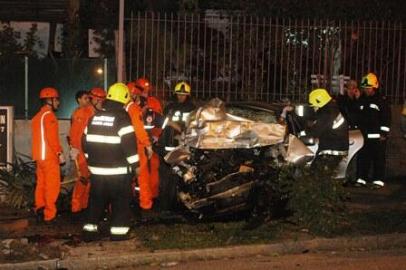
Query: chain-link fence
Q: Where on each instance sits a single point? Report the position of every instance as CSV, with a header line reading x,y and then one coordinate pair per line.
x,y
241,57
22,78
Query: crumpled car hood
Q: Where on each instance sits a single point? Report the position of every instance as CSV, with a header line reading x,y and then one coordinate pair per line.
x,y
210,127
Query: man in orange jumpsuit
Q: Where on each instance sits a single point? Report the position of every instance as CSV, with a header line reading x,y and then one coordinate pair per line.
x,y
79,121
152,114
48,155
143,145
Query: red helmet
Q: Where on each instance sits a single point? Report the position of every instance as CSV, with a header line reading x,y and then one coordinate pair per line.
x,y
143,84
154,104
134,90
98,92
48,92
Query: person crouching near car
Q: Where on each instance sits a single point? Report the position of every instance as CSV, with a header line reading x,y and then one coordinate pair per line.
x,y
330,128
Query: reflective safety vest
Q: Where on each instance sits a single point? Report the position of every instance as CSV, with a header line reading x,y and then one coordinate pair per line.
x,y
109,142
45,135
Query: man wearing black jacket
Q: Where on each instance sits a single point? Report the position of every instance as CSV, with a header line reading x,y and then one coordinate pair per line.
x,y
109,144
374,123
331,129
176,115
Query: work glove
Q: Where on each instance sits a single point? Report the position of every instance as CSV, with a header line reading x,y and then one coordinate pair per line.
x,y
149,151
73,153
62,160
285,110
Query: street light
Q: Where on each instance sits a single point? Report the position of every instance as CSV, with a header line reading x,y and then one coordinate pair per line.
x,y
99,71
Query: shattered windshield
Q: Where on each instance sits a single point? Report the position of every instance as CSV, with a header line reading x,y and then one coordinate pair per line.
x,y
252,113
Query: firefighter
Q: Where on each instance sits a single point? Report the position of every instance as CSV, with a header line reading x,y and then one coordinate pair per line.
x,y
374,123
79,121
149,101
109,143
331,129
48,155
176,114
143,145
153,120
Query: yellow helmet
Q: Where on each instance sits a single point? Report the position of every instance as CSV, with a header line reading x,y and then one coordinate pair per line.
x,y
182,88
319,97
370,81
119,92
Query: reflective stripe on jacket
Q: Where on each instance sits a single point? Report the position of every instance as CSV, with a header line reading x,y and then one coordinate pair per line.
x,y
45,135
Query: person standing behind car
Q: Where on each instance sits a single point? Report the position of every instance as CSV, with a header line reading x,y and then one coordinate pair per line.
x,y
176,114
79,121
374,123
348,102
330,127
109,143
48,155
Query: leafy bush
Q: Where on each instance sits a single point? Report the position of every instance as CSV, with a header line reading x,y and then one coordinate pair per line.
x,y
20,184
314,197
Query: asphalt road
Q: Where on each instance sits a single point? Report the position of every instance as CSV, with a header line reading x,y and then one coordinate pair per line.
x,y
349,260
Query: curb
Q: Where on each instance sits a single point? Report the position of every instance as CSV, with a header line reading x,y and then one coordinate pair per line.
x,y
386,241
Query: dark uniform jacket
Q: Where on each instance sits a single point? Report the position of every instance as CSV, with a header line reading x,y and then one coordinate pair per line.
x,y
178,113
331,129
350,109
109,141
375,116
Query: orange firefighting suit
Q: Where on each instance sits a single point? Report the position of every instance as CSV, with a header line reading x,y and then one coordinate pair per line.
x,y
46,149
80,195
143,141
154,104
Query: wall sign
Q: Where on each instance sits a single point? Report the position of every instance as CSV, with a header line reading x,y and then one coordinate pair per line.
x,y
6,135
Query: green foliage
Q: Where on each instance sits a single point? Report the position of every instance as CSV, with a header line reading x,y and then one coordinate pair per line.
x,y
9,45
315,198
20,184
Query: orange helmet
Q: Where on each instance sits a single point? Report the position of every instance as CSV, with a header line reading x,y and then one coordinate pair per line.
x,y
98,92
48,92
143,84
134,90
154,104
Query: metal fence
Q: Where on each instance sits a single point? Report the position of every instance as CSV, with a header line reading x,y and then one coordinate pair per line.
x,y
265,59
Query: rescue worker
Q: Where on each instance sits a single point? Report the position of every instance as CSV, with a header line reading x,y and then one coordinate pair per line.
x,y
331,129
153,120
374,124
48,155
109,144
348,102
176,114
143,145
146,87
79,121
82,98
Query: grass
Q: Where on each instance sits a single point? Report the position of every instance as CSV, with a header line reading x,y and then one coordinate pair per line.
x,y
220,234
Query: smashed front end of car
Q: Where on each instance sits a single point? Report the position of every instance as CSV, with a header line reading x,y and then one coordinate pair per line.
x,y
225,160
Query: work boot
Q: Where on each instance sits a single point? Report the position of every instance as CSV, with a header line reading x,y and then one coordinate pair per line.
x,y
39,215
377,184
360,183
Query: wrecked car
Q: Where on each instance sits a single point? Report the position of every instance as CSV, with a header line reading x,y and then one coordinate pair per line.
x,y
227,153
